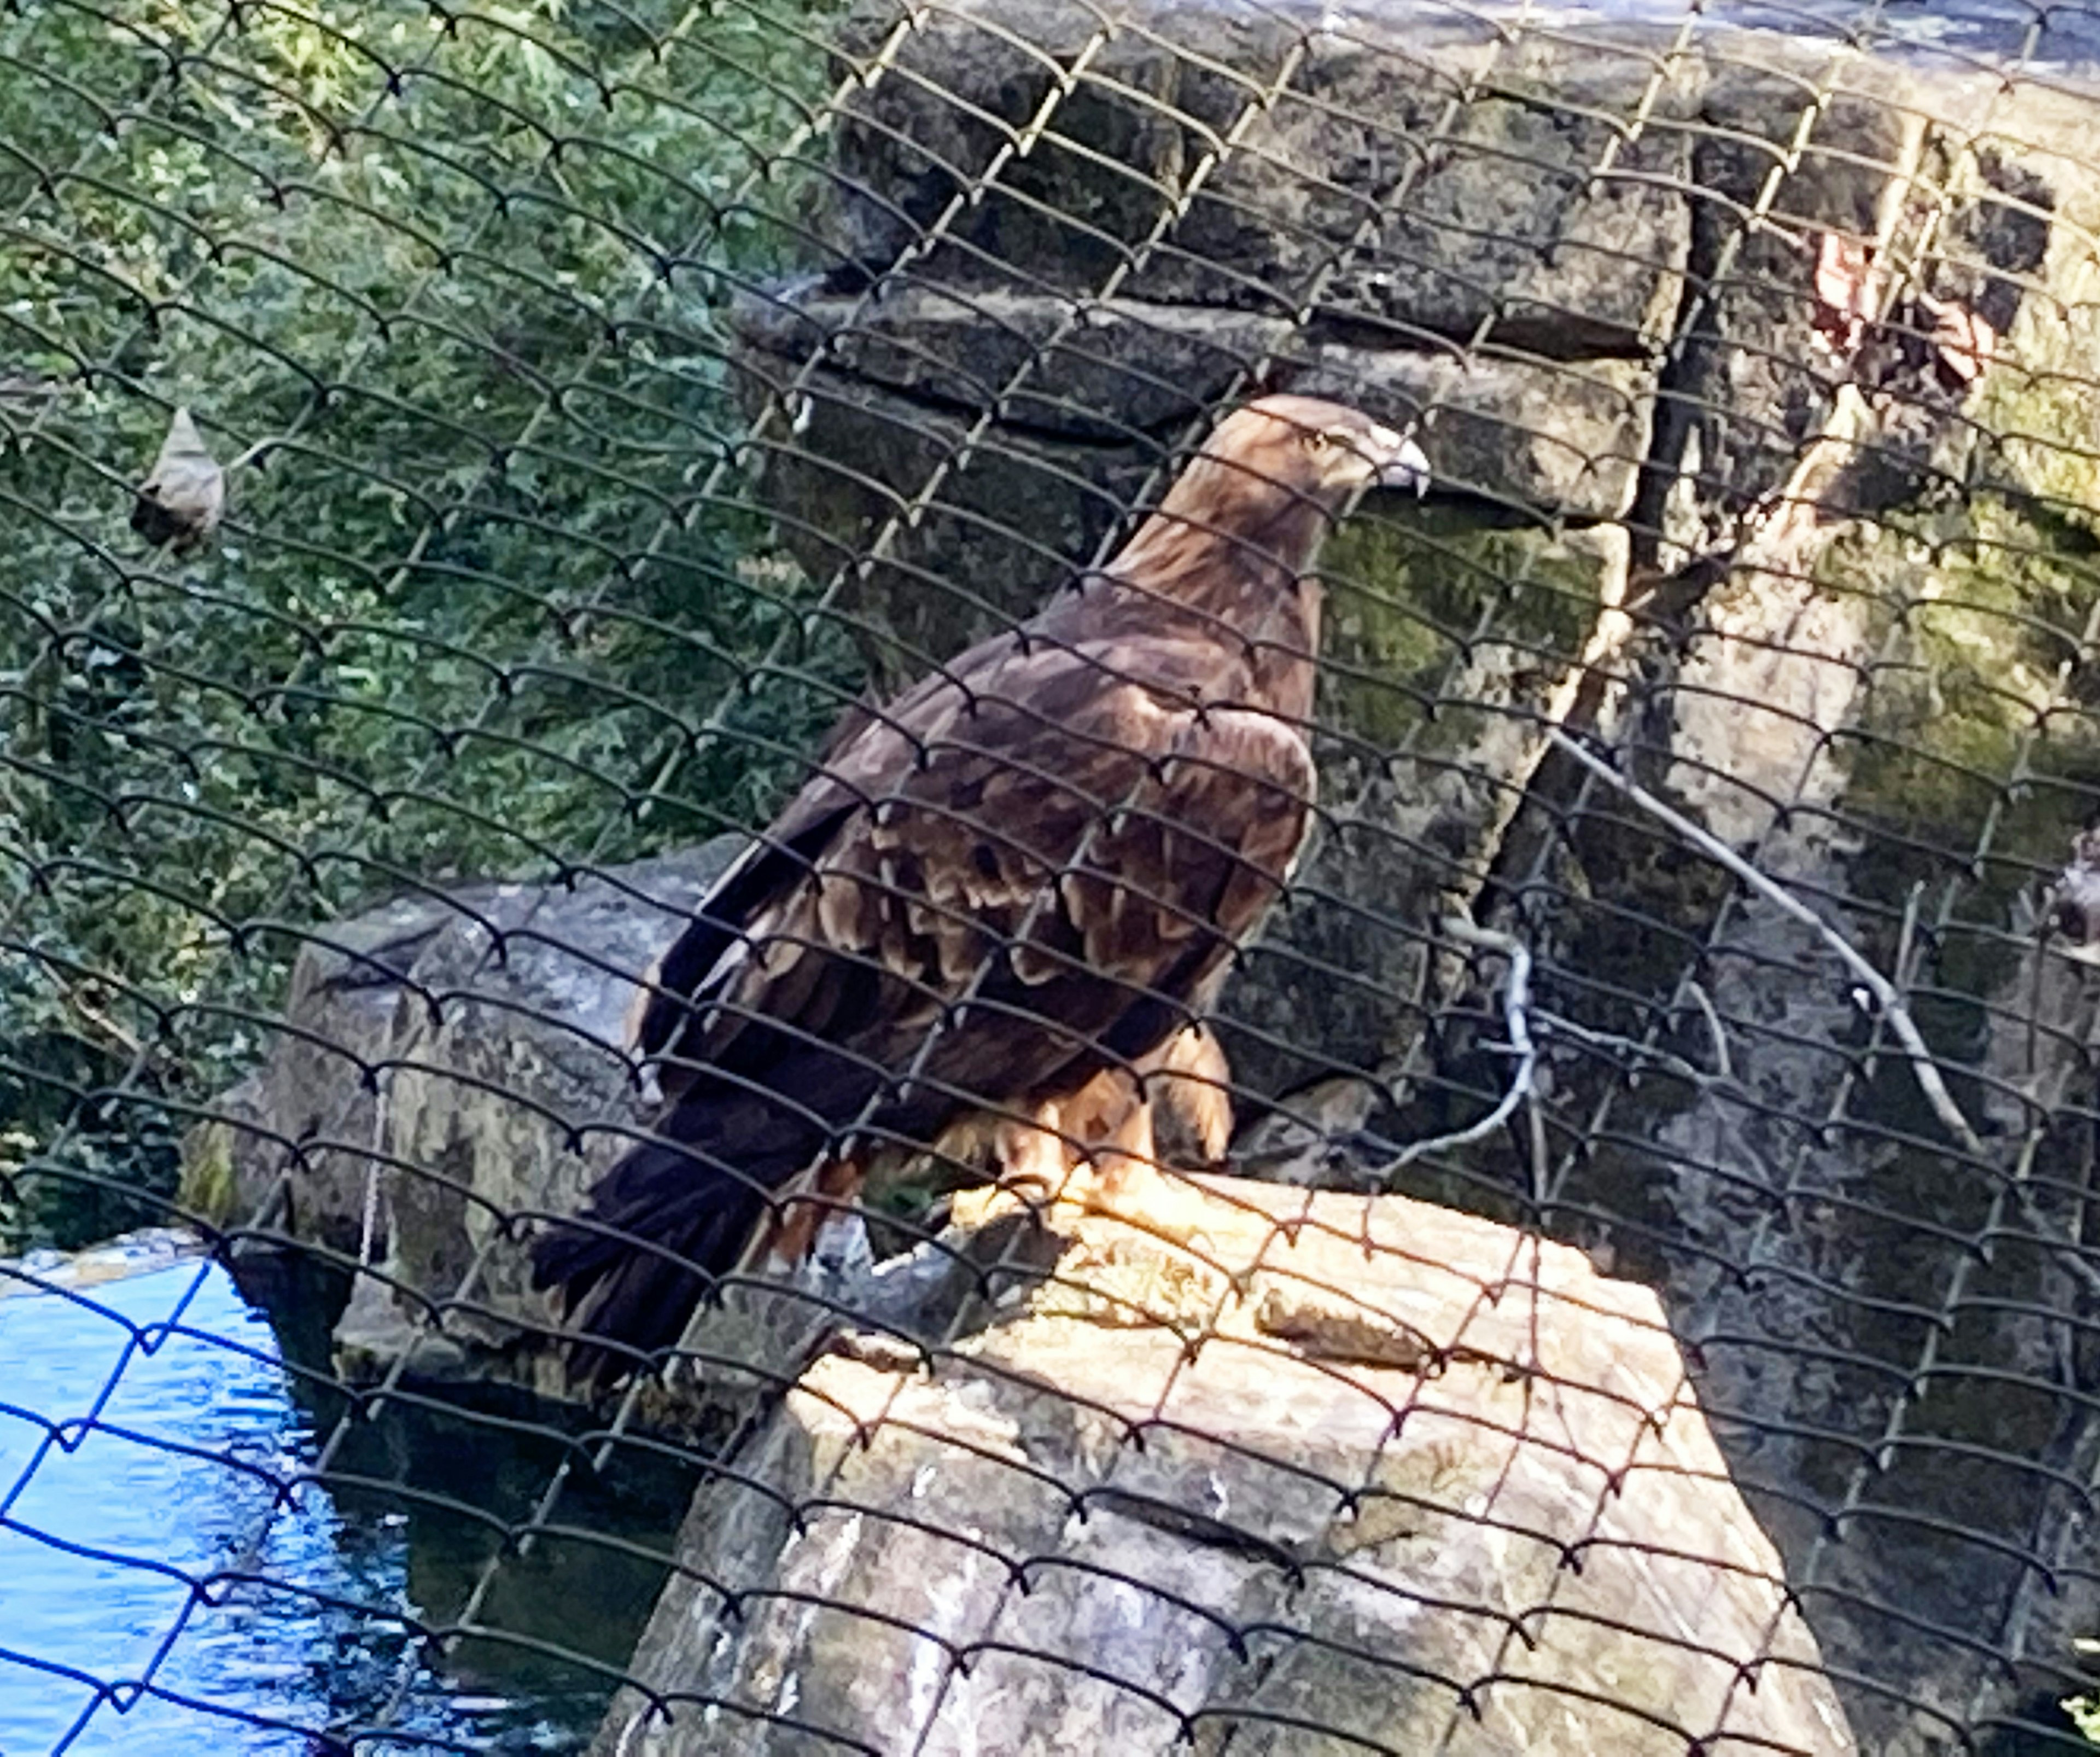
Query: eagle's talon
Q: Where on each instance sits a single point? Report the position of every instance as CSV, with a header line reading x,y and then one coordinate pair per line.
x,y
1163,1206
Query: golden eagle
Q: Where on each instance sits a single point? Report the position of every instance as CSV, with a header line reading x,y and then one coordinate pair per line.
x,y
1013,891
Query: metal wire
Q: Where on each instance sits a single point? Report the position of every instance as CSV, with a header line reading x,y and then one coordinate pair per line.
x,y
1666,1088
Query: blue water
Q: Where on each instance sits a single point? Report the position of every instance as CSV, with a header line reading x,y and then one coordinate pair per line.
x,y
154,1532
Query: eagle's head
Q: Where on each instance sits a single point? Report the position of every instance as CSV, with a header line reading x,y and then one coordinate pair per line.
x,y
1239,532
1281,454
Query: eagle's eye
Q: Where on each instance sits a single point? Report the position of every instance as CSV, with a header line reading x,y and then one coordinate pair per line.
x,y
1318,442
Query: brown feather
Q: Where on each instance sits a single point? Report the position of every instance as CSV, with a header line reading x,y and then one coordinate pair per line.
x,y
1011,890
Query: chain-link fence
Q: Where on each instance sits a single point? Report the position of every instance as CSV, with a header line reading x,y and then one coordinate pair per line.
x,y
1601,1266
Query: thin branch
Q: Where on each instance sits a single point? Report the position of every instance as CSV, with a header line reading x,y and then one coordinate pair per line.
x,y
1723,1066
1924,1065
1633,1054
1516,1020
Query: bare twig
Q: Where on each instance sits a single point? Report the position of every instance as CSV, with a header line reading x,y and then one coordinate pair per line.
x,y
112,1033
1925,1067
1722,1066
1516,1020
1887,996
1628,1049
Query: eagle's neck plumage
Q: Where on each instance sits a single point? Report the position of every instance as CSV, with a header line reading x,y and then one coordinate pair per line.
x,y
1236,565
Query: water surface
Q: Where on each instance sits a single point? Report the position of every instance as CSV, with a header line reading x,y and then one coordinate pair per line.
x,y
171,1583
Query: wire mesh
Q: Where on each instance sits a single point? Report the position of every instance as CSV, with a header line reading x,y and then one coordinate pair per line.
x,y
464,459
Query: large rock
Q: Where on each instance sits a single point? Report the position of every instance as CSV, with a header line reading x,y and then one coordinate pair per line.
x,y
1554,436
1362,1475
1424,175
451,1063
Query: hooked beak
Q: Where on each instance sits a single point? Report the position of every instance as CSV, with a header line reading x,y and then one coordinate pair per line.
x,y
1400,463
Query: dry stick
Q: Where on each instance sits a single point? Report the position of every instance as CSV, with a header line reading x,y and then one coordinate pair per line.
x,y
1925,1066
1516,1019
1721,1063
1885,992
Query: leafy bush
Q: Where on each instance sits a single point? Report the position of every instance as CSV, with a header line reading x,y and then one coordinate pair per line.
x,y
444,288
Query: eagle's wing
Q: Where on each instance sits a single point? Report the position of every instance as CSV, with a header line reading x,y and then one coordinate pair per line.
x,y
1030,869
1043,856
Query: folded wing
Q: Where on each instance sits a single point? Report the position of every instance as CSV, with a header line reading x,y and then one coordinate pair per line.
x,y
1033,866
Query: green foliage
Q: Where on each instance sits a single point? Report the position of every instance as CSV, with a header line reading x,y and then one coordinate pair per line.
x,y
485,601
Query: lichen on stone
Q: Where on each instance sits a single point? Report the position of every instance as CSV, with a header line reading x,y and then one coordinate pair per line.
x,y
1410,598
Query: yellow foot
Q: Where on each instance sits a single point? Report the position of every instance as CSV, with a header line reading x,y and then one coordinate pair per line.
x,y
1170,1208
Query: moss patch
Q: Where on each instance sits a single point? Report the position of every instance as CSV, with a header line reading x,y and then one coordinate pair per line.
x,y
1981,698
209,1187
1409,598
2041,424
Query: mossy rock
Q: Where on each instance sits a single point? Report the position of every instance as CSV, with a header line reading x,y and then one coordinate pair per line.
x,y
1977,705
210,1187
1412,598
2043,428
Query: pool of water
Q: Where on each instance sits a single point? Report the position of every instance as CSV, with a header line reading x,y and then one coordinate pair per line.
x,y
173,1582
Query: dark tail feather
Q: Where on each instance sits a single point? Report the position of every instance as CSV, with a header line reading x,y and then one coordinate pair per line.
x,y
675,1224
